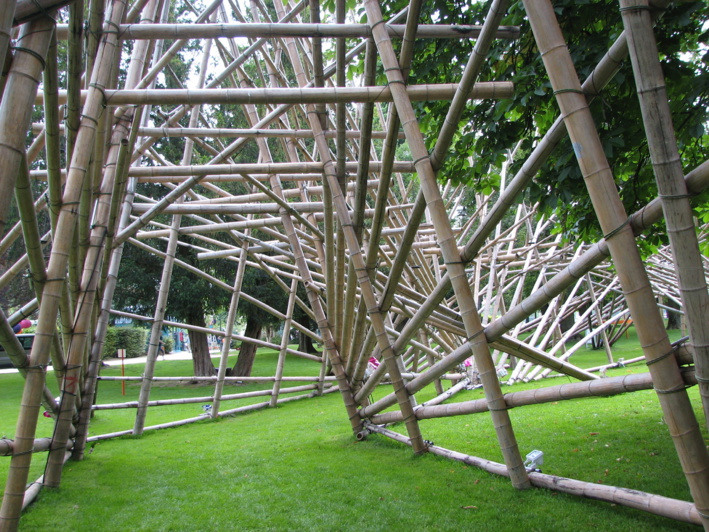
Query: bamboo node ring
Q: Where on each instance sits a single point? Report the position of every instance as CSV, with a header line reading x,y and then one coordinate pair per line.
x,y
676,196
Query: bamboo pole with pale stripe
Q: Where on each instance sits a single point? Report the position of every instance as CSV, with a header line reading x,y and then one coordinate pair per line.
x,y
668,382
672,189
453,261
27,421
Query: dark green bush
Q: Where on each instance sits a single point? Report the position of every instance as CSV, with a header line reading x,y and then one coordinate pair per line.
x,y
169,343
110,344
131,339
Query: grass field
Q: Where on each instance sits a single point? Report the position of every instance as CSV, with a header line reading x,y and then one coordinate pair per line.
x,y
298,467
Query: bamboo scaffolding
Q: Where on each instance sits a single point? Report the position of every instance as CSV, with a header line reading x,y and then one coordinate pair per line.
x,y
27,421
396,306
15,109
655,504
612,217
672,190
452,256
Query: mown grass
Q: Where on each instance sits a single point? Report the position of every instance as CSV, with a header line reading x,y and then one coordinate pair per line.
x,y
298,467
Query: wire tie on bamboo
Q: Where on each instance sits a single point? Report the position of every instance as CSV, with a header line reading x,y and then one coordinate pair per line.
x,y
377,23
662,357
92,118
561,91
421,159
32,53
676,196
676,389
106,32
617,229
639,7
41,9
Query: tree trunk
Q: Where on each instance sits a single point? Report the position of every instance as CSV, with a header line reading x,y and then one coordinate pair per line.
x,y
674,319
305,343
201,361
247,353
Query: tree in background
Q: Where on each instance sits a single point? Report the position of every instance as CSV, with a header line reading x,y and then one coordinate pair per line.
x,y
191,297
495,127
259,285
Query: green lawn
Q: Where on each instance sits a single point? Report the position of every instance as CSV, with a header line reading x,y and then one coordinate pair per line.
x,y
298,467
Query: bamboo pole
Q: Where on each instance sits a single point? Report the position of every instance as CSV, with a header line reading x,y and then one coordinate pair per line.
x,y
6,17
84,320
672,190
15,107
613,220
284,345
181,132
365,284
473,328
272,30
483,90
24,434
654,504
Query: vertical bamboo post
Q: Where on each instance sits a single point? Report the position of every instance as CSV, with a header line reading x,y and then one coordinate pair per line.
x,y
672,189
231,318
284,344
363,277
447,242
85,319
82,428
613,219
6,17
27,421
16,107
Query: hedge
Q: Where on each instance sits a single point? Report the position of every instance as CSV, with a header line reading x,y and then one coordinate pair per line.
x,y
131,339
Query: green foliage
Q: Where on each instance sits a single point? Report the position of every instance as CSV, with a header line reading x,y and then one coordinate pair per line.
x,y
110,343
493,128
168,343
132,339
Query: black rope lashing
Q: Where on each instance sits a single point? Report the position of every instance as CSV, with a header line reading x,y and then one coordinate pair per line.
x,y
562,91
612,233
32,53
676,389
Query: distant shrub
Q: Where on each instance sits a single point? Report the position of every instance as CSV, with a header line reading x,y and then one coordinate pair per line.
x,y
110,344
131,339
169,343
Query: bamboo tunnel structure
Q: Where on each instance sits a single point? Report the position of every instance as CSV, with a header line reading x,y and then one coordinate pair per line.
x,y
294,150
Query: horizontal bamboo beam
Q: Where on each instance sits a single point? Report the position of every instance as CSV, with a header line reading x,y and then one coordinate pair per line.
x,y
205,399
252,168
279,30
7,446
573,390
418,93
214,379
203,132
249,208
647,502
